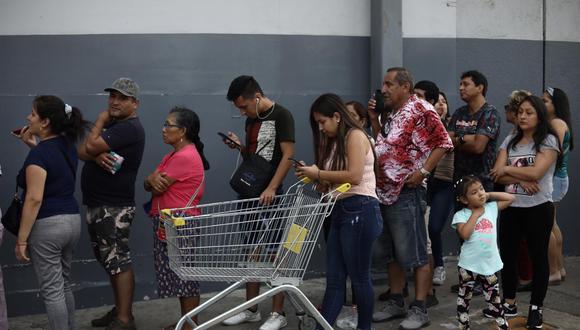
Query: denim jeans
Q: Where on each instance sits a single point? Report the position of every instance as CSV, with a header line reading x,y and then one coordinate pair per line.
x,y
3,313
51,244
442,198
355,225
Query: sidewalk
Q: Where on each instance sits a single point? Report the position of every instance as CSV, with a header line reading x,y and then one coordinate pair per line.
x,y
562,309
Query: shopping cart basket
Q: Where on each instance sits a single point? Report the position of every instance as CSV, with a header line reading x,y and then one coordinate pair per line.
x,y
244,241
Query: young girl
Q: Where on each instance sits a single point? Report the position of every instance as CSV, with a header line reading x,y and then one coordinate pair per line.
x,y
479,260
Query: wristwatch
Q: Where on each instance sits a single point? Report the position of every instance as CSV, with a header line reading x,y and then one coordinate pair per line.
x,y
426,174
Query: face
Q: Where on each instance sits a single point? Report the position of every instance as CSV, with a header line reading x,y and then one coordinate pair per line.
x,y
352,112
121,106
172,133
441,106
35,123
327,125
468,90
247,107
475,195
420,93
395,94
527,117
549,105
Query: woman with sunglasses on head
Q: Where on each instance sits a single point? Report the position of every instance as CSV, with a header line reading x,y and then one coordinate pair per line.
x,y
558,108
50,225
177,182
525,165
343,153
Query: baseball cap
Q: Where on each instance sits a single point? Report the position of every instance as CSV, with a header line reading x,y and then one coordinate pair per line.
x,y
125,86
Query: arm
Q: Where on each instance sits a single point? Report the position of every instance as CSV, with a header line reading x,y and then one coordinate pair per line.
x,y
474,143
544,159
357,147
267,196
503,199
466,229
95,144
374,118
560,127
158,182
417,177
35,181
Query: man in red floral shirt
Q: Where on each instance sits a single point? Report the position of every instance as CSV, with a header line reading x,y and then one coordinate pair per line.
x,y
408,147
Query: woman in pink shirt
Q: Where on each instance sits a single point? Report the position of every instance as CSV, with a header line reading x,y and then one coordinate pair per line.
x,y
177,182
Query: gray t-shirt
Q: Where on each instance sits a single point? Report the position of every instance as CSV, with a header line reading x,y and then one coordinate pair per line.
x,y
525,155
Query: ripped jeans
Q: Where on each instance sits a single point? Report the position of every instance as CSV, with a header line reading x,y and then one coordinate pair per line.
x,y
356,223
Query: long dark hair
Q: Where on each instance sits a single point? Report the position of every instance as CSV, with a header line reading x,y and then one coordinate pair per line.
x,y
327,105
71,125
189,120
542,130
562,110
361,111
463,184
447,114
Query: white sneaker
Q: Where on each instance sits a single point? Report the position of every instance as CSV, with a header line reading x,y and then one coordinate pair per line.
x,y
348,318
439,275
274,322
243,317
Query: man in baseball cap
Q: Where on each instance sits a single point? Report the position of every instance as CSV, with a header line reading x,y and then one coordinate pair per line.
x,y
110,195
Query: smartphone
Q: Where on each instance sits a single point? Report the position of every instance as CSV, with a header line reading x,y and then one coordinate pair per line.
x,y
17,132
296,162
380,105
227,138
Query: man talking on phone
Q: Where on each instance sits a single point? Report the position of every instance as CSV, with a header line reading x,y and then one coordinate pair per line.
x,y
269,133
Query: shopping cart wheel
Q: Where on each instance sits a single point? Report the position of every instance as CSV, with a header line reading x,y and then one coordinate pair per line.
x,y
307,322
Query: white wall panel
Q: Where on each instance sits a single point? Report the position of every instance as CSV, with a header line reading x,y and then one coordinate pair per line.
x,y
429,19
296,17
563,20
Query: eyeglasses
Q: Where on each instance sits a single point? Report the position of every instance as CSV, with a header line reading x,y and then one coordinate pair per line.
x,y
168,125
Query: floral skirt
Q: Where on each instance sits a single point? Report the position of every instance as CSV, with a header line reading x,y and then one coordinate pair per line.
x,y
168,283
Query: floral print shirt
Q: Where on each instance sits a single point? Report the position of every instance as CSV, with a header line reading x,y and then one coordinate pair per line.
x,y
404,144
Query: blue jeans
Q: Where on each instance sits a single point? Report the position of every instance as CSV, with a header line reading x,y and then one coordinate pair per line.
x,y
355,225
442,198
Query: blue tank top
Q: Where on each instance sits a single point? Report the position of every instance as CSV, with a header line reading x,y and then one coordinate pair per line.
x,y
562,168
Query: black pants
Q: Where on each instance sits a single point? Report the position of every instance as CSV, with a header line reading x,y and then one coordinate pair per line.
x,y
535,224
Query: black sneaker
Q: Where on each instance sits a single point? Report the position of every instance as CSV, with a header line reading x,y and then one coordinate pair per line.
x,y
510,309
431,300
534,317
106,319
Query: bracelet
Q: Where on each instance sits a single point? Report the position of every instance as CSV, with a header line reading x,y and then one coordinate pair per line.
x,y
318,174
22,243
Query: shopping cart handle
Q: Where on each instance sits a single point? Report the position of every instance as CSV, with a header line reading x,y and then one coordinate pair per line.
x,y
177,221
344,187
305,180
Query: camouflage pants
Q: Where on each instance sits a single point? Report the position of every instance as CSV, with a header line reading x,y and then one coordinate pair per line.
x,y
109,228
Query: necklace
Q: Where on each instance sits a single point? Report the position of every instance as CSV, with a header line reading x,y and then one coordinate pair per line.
x,y
269,112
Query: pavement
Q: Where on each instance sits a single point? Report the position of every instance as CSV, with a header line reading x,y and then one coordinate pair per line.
x,y
561,311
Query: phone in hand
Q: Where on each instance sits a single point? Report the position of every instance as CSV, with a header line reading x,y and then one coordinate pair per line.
x,y
380,102
17,132
227,138
295,161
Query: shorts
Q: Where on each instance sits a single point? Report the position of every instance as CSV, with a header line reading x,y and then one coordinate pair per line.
x,y
404,229
560,188
263,229
427,211
109,229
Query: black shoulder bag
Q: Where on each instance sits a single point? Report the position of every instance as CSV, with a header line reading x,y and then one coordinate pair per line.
x,y
253,175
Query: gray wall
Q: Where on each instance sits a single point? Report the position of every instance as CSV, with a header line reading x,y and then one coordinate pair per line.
x,y
190,70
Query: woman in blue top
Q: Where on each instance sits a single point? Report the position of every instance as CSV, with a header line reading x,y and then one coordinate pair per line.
x,y
558,108
479,260
50,224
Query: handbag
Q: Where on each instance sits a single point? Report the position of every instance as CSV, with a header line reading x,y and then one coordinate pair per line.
x,y
11,218
253,175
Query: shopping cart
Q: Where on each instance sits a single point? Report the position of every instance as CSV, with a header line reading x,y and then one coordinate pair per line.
x,y
244,241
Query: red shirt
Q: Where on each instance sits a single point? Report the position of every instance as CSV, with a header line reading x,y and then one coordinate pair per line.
x,y
407,139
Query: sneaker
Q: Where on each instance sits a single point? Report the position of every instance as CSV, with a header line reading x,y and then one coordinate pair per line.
x,y
491,313
510,309
117,324
274,322
439,275
390,311
534,317
416,319
348,318
243,317
431,300
106,319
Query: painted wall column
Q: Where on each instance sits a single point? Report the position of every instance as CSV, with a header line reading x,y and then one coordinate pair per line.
x,y
386,38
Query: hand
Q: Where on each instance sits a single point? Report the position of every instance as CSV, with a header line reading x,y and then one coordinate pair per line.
x,y
158,181
235,138
267,196
530,187
371,107
27,137
478,212
104,117
20,252
310,172
105,160
497,172
415,179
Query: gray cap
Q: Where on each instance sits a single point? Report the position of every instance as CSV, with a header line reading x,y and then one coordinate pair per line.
x,y
125,86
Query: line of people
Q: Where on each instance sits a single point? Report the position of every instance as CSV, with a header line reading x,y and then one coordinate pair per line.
x,y
402,158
